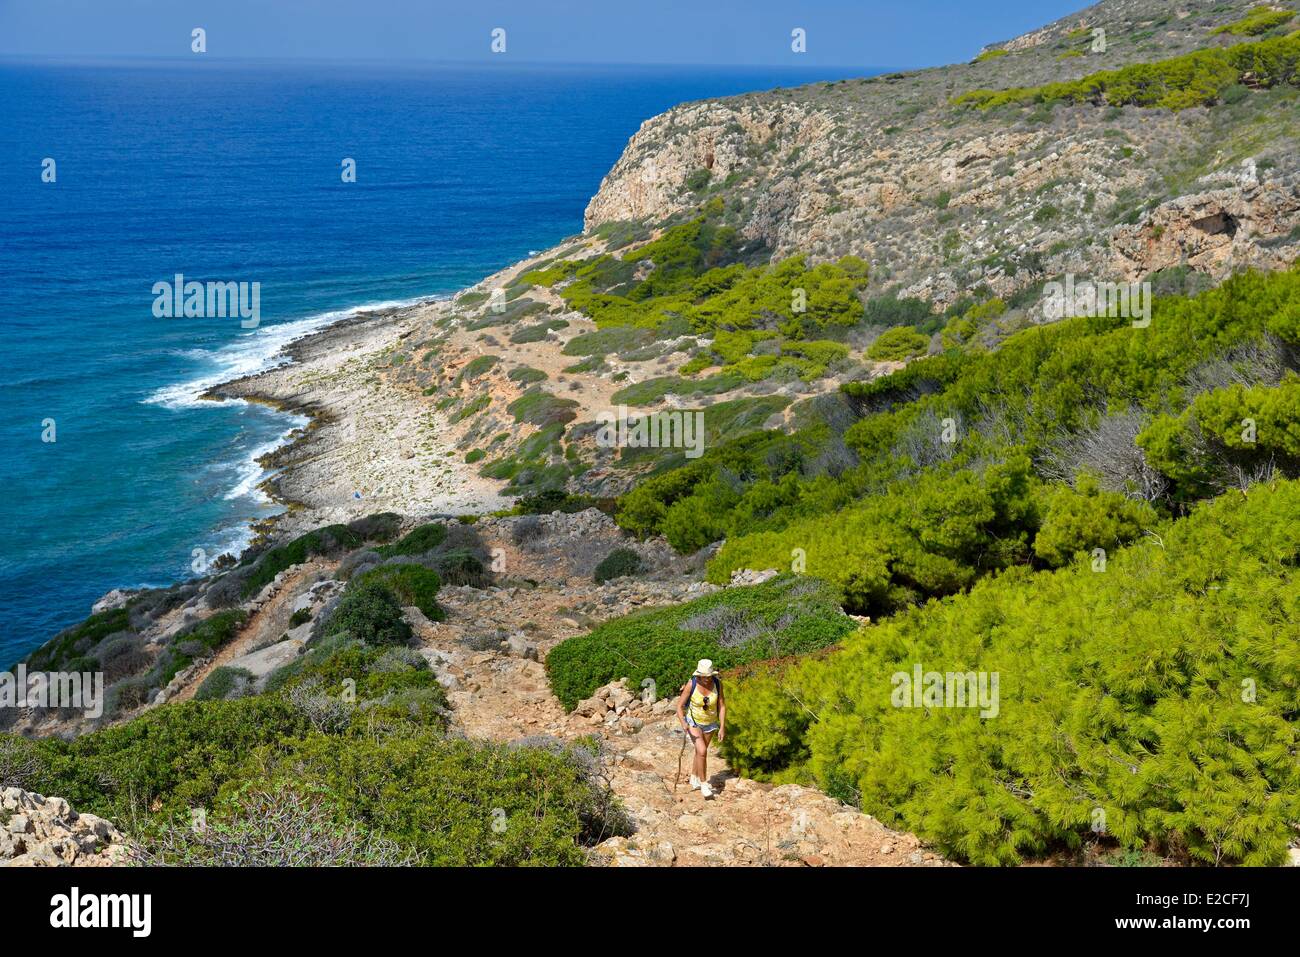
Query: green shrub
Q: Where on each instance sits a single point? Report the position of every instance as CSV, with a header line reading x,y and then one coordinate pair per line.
x,y
224,683
1156,693
539,407
552,500
477,367
537,332
526,375
165,761
617,564
197,640
1086,519
653,390
418,541
474,406
698,180
784,616
460,566
898,344
72,642
388,775
1177,83
379,527
891,311
456,802
327,541
370,613
1257,21
411,584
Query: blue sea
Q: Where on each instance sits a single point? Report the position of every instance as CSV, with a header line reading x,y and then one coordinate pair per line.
x,y
230,171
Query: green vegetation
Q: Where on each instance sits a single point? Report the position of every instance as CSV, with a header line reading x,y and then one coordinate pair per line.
x,y
379,766
223,683
410,584
526,375
539,407
784,616
1155,691
1192,79
477,367
617,564
197,641
991,55
959,462
65,648
472,407
898,345
652,391
328,541
700,284
1257,21
537,332
698,181
369,612
418,541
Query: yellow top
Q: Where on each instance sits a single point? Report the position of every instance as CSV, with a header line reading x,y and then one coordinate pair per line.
x,y
703,706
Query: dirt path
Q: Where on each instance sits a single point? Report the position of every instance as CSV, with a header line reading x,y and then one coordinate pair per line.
x,y
506,697
265,625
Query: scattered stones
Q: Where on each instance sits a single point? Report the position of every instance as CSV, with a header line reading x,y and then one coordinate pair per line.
x,y
748,576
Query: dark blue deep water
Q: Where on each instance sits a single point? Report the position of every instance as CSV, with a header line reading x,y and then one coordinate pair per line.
x,y
229,171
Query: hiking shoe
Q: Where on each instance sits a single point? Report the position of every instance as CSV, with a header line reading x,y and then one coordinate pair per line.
x,y
695,783
705,789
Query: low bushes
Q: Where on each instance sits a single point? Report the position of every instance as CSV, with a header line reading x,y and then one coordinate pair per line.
x,y
370,613
224,683
321,541
383,785
477,367
454,802
411,584
618,563
197,641
418,541
1177,83
785,616
895,345
539,407
1154,701
74,642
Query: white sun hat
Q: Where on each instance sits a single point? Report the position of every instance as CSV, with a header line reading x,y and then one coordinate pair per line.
x,y
704,669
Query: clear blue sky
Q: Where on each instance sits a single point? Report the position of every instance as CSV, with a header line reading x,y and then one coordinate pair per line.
x,y
893,33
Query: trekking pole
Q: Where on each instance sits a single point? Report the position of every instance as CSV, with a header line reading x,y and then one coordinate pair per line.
x,y
680,755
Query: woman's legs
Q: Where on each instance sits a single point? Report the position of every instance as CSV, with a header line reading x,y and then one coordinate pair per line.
x,y
700,764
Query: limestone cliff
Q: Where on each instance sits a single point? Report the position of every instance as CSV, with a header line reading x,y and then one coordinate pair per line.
x,y
940,198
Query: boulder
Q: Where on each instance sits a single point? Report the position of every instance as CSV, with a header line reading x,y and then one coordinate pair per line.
x,y
520,647
262,662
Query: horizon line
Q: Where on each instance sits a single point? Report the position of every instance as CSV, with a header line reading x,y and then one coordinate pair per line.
x,y
871,70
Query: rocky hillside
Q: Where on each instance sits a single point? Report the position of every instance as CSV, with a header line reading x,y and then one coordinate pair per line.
x,y
941,198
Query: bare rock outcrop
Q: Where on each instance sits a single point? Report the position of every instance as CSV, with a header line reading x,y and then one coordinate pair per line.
x,y
36,831
1215,232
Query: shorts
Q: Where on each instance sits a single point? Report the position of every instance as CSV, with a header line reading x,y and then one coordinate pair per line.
x,y
710,728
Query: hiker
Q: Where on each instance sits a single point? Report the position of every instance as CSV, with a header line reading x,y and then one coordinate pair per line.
x,y
702,712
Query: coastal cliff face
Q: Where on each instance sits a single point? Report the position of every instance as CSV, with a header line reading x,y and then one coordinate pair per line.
x,y
939,197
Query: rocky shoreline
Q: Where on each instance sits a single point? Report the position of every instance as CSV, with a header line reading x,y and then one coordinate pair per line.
x,y
361,451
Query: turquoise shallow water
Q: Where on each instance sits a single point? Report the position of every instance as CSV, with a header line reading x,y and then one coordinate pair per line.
x,y
229,171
